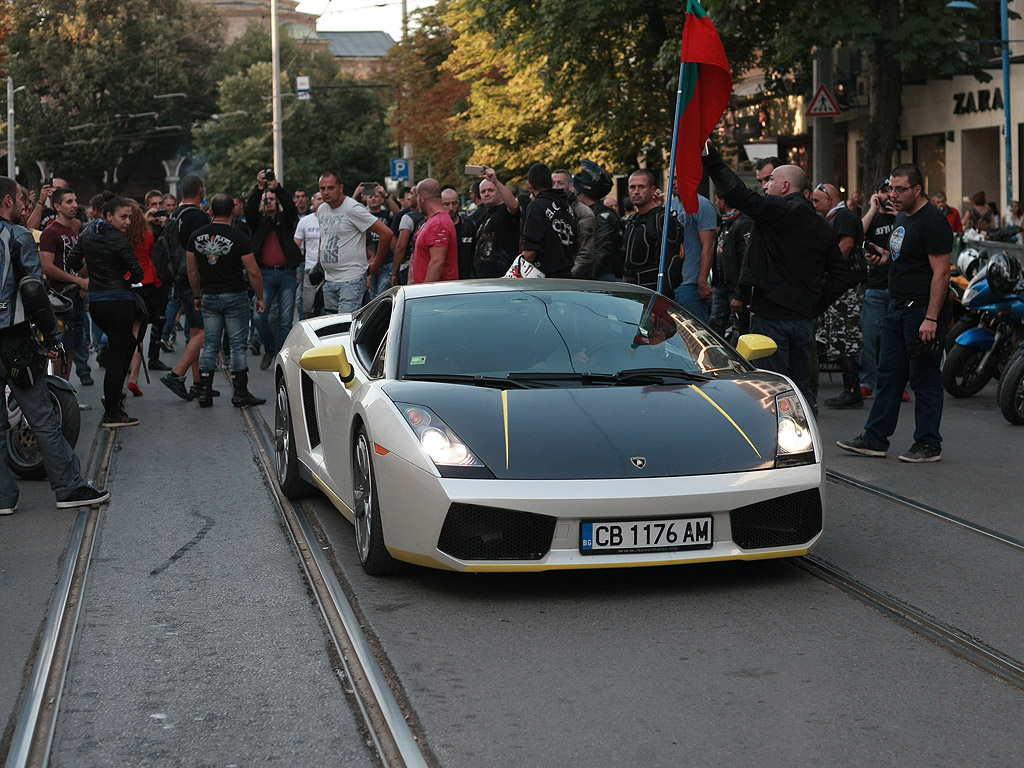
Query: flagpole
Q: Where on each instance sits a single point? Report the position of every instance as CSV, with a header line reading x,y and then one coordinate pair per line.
x,y
671,179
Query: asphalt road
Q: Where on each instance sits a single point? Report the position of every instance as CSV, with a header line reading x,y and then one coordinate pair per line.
x,y
217,656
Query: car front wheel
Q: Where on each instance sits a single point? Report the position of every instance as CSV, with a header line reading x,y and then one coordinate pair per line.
x,y
373,554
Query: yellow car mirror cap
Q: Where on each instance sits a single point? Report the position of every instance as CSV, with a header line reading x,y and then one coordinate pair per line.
x,y
331,358
755,345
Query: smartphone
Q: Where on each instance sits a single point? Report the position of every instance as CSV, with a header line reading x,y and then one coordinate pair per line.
x,y
474,170
369,186
48,182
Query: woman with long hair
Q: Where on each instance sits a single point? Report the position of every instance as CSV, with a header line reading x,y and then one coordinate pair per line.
x,y
150,293
106,252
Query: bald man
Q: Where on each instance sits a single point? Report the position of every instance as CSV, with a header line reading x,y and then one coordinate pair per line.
x,y
794,268
436,254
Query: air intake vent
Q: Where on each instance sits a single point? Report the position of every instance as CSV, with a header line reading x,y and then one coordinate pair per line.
x,y
333,329
781,522
472,532
309,409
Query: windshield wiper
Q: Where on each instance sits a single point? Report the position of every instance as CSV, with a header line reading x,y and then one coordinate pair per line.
x,y
495,382
658,375
545,376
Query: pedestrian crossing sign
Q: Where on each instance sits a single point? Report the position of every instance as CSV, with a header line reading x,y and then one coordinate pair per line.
x,y
823,105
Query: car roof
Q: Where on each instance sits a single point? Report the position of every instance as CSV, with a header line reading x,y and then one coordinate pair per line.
x,y
453,287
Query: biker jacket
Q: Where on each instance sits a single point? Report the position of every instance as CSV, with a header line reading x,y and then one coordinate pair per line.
x,y
108,256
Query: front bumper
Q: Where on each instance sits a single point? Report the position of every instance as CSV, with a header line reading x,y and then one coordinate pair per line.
x,y
782,516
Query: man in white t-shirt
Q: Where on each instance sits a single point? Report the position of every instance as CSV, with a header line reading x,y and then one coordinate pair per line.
x,y
307,237
343,226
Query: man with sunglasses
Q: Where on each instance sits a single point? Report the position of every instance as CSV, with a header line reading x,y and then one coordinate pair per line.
x,y
914,324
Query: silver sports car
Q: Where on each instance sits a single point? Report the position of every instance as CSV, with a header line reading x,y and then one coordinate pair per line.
x,y
525,425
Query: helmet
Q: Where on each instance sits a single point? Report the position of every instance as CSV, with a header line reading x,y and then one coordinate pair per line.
x,y
1003,273
967,262
593,181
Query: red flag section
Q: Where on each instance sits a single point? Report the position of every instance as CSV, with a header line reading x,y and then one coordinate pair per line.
x,y
705,86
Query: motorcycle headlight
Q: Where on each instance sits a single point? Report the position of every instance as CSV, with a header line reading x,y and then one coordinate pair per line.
x,y
795,445
442,445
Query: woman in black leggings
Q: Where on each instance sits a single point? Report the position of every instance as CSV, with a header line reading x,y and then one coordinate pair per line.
x,y
108,258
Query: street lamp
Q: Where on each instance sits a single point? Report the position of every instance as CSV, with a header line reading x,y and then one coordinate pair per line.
x,y
1004,43
11,90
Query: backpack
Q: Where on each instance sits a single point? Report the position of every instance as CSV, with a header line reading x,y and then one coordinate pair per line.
x,y
169,253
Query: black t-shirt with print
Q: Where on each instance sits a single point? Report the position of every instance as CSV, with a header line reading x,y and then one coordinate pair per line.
x,y
912,240
878,233
219,249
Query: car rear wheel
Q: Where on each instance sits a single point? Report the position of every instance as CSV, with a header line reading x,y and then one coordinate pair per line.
x,y
369,537
292,485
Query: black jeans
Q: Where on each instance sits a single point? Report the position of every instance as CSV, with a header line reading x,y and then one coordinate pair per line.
x,y
115,319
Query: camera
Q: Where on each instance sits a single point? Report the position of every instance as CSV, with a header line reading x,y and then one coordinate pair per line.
x,y
48,182
268,175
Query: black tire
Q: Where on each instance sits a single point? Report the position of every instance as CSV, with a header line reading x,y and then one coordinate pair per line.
x,y
285,459
959,376
1011,389
23,456
963,324
373,555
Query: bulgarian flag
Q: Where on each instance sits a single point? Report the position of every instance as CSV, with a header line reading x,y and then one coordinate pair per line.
x,y
705,84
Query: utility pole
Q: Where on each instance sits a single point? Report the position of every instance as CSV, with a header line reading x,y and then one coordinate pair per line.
x,y
10,128
823,143
276,92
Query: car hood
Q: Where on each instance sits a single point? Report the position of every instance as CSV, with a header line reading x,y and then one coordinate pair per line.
x,y
718,426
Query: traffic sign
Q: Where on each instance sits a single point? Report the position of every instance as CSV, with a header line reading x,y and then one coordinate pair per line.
x,y
399,169
302,87
823,105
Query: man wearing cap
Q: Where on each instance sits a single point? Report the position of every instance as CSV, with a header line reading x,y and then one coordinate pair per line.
x,y
877,222
591,185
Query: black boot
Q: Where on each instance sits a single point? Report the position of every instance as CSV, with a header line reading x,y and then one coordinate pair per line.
x,y
205,389
154,362
850,397
242,396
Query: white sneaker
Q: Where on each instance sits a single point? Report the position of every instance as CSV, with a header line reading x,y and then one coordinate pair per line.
x,y
8,510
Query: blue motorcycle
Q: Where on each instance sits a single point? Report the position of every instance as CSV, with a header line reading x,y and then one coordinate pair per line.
x,y
981,353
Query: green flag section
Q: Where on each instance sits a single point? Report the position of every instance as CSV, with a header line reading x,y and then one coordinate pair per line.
x,y
705,84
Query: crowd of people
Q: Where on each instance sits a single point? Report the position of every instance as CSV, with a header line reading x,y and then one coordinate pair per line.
x,y
832,282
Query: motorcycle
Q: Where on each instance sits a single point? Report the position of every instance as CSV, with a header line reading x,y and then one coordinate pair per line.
x,y
23,455
1010,394
982,352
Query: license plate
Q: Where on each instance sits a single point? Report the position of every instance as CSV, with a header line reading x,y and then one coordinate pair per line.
x,y
634,536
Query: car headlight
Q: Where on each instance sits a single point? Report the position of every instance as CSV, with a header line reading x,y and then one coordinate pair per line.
x,y
441,444
794,440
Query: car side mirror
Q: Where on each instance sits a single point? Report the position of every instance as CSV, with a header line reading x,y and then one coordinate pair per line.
x,y
331,358
755,345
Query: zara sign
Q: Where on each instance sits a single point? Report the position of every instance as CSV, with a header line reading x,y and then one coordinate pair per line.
x,y
986,100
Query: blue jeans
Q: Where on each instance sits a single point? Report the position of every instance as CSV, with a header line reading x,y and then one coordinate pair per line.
x,y
79,345
689,299
61,463
721,308
225,311
300,295
344,297
278,285
794,339
899,329
382,280
871,314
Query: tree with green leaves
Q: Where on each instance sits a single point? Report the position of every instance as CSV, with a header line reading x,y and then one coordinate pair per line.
x,y
912,40
341,127
98,75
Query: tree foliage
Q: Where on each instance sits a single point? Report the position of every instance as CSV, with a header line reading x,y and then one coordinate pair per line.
x,y
427,96
341,128
92,71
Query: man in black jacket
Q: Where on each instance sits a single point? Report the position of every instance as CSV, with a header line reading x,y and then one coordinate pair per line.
x,y
794,267
550,234
272,217
591,185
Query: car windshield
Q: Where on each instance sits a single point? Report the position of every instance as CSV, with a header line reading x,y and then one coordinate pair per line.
x,y
580,335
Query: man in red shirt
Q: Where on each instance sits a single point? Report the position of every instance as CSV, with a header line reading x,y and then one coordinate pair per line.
x,y
436,255
952,214
55,244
